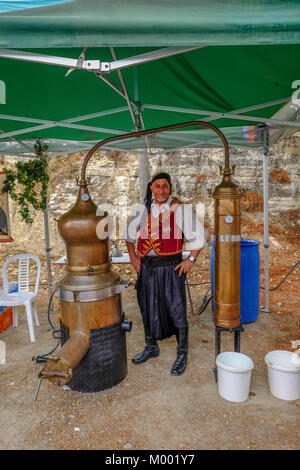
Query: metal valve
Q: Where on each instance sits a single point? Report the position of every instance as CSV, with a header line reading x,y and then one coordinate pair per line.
x,y
227,171
126,325
83,182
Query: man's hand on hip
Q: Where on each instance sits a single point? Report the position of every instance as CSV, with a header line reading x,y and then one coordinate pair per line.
x,y
185,266
136,262
134,259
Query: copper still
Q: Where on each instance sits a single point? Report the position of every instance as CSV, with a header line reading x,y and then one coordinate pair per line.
x,y
90,306
93,353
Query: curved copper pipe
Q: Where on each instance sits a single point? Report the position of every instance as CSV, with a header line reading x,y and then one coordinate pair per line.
x,y
155,131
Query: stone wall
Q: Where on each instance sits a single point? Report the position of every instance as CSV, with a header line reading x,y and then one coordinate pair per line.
x,y
114,179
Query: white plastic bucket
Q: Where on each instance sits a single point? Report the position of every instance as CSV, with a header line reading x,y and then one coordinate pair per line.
x,y
284,374
234,375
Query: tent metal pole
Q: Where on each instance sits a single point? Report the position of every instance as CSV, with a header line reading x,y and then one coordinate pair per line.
x,y
144,176
95,115
19,142
122,109
67,121
236,111
95,65
46,124
266,215
143,154
47,249
125,91
218,115
60,124
150,56
115,87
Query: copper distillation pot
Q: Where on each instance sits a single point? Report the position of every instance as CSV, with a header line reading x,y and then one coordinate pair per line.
x,y
93,353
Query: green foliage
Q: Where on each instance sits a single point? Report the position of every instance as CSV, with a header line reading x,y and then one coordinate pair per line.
x,y
21,184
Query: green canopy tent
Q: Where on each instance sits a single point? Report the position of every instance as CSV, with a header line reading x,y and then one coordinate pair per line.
x,y
75,72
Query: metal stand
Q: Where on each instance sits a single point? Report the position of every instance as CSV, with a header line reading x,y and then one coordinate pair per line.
x,y
237,342
48,249
189,293
266,216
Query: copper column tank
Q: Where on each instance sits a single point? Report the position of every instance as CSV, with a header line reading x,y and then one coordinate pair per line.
x,y
93,353
227,238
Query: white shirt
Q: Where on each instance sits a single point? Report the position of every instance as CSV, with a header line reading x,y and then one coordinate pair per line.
x,y
185,218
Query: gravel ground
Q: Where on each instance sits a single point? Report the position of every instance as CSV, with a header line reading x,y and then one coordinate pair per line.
x,y
151,409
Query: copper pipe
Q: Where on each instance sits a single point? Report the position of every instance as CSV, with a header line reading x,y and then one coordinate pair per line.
x,y
59,369
85,250
154,131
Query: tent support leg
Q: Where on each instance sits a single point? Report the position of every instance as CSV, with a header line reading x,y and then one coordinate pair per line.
x,y
143,157
144,176
47,249
266,217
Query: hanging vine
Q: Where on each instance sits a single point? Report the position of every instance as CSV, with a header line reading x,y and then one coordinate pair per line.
x,y
27,185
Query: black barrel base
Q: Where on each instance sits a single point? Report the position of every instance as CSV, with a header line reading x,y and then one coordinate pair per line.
x,y
105,363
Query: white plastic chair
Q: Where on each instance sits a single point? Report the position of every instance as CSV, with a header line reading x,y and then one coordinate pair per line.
x,y
24,296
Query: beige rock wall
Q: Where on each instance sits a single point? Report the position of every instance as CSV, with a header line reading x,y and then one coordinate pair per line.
x,y
114,179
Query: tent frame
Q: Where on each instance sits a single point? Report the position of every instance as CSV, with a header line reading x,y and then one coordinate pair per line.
x,y
102,69
70,123
92,65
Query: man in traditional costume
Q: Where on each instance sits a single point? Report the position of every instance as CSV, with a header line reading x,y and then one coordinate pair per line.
x,y
163,223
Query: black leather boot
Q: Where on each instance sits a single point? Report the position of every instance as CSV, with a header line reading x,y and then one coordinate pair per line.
x,y
151,349
182,351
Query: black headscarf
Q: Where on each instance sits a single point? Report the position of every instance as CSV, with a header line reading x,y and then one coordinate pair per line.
x,y
157,176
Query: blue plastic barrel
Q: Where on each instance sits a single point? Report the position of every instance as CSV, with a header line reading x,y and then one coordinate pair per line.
x,y
250,279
